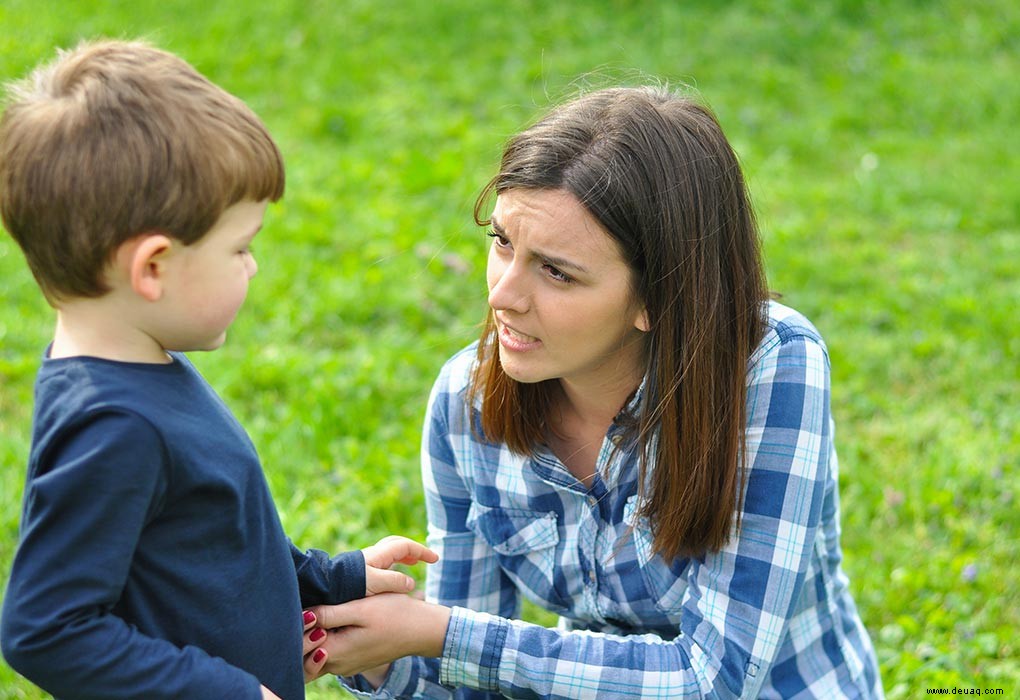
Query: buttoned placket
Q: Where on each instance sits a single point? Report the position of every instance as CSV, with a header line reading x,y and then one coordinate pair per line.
x,y
594,539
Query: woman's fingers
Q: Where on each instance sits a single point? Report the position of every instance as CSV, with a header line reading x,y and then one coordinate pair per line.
x,y
332,616
313,640
314,663
315,656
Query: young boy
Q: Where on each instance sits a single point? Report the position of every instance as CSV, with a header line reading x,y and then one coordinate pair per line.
x,y
152,562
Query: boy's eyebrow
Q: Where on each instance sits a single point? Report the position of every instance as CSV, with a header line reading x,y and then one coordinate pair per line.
x,y
549,259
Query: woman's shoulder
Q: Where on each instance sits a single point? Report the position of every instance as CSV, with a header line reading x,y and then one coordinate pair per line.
x,y
455,374
785,326
788,323
448,398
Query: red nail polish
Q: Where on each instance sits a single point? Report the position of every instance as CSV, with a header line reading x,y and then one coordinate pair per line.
x,y
309,617
317,634
318,656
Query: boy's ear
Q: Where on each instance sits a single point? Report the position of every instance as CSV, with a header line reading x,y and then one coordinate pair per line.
x,y
143,259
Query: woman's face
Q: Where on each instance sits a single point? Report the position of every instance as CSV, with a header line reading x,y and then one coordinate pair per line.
x,y
561,294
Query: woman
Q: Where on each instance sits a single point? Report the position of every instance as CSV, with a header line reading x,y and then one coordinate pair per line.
x,y
640,442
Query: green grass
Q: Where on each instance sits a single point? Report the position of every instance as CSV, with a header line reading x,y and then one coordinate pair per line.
x,y
880,144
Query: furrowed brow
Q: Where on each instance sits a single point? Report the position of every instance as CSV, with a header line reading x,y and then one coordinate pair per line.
x,y
547,259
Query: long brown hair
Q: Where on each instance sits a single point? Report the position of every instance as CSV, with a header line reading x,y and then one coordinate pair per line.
x,y
655,169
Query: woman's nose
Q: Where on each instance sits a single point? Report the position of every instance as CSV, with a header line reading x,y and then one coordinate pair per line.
x,y
507,289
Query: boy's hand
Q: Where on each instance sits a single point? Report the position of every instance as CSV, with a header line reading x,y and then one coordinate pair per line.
x,y
385,553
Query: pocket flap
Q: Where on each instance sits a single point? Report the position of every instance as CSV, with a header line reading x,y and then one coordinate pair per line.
x,y
513,532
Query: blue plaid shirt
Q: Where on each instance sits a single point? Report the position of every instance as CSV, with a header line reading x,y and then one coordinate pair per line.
x,y
767,616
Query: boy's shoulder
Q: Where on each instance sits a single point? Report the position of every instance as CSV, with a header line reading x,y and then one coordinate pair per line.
x,y
68,388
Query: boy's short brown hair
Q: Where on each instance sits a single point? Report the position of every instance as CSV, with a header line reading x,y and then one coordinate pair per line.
x,y
113,139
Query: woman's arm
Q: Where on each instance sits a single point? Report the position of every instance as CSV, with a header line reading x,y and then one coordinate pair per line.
x,y
738,601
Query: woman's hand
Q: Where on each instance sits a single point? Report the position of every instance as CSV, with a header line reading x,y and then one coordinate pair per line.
x,y
369,633
312,652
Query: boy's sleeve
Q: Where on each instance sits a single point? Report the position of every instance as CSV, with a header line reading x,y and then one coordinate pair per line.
x,y
325,580
85,507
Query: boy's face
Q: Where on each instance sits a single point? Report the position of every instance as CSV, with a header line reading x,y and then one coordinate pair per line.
x,y
208,280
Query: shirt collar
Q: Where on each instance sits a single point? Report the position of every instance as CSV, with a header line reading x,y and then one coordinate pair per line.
x,y
632,408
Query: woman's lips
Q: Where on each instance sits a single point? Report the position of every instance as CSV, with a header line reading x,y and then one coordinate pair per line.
x,y
512,339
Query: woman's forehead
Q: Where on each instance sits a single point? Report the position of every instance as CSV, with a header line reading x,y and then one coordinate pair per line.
x,y
551,217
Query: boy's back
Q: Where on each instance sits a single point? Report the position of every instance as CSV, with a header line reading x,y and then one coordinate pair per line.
x,y
157,516
152,563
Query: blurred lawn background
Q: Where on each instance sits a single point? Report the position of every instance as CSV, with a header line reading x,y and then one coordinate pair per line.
x,y
880,143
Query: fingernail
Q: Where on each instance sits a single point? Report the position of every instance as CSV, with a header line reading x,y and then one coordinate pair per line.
x,y
409,583
309,617
317,634
318,656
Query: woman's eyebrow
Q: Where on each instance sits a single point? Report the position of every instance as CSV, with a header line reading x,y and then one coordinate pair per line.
x,y
548,259
560,262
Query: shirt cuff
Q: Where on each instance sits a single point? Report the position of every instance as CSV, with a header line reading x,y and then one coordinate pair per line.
x,y
399,682
323,580
472,650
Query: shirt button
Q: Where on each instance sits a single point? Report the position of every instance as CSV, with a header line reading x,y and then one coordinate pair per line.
x,y
592,501
591,575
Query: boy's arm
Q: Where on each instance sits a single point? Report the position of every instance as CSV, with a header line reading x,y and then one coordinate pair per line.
x,y
85,508
328,581
325,580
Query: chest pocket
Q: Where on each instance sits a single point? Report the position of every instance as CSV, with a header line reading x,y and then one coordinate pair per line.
x,y
666,583
525,542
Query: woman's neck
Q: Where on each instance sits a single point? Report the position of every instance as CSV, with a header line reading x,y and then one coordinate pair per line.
x,y
593,407
596,397
581,418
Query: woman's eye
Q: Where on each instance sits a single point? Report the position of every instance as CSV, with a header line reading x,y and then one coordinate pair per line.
x,y
501,240
557,275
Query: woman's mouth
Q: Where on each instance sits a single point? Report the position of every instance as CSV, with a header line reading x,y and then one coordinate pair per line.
x,y
515,340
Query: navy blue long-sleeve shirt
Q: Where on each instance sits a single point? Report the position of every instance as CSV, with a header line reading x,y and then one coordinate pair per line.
x,y
152,562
